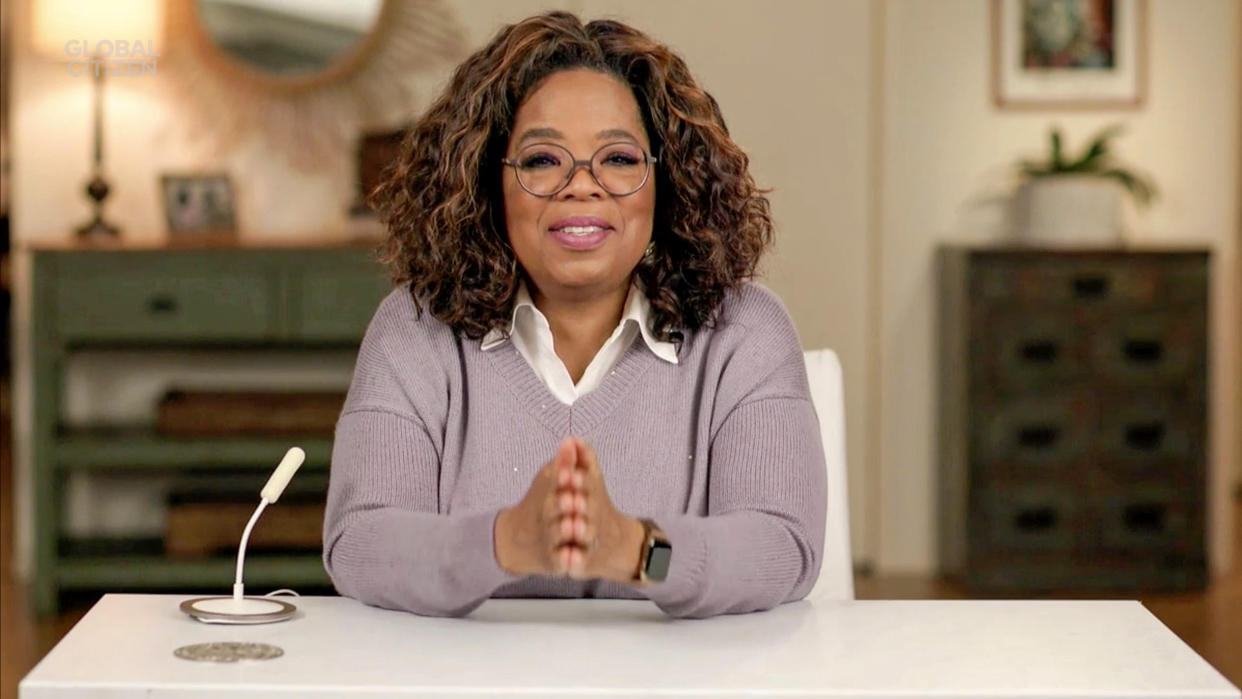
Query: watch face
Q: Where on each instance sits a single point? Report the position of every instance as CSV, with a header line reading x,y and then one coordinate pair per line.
x,y
658,561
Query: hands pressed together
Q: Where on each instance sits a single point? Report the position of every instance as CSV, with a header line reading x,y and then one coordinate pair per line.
x,y
567,525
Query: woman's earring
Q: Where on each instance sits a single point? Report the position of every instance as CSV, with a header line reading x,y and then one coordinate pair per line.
x,y
650,251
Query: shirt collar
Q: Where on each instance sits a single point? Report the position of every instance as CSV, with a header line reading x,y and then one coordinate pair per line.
x,y
496,337
637,309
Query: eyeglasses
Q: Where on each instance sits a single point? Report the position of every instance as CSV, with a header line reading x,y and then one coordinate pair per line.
x,y
544,169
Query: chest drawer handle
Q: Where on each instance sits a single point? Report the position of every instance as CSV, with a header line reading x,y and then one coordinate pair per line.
x,y
1144,517
1144,351
1090,286
1038,436
162,304
1145,436
1035,519
1040,351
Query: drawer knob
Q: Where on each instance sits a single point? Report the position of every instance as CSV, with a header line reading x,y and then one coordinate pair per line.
x,y
1038,436
162,304
1040,351
1144,517
1144,436
1090,286
1035,519
1143,351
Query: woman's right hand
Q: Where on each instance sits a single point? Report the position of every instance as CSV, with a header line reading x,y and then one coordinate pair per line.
x,y
533,537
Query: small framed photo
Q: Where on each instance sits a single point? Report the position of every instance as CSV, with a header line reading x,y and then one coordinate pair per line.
x,y
1069,54
198,206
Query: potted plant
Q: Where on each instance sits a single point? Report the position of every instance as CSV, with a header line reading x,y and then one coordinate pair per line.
x,y
1076,201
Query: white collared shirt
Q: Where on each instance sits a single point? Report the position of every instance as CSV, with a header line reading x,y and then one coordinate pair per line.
x,y
532,337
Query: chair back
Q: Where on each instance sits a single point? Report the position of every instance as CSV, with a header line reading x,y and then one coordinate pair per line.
x,y
836,575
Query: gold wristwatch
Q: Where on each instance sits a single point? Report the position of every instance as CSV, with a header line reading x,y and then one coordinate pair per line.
x,y
654,556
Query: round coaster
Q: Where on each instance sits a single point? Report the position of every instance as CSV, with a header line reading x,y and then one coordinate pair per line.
x,y
247,610
228,652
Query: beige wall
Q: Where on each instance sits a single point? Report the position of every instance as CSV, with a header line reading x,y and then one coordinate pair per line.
x,y
793,81
944,145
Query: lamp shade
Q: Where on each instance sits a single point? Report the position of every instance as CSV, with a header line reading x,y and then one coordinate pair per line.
x,y
56,23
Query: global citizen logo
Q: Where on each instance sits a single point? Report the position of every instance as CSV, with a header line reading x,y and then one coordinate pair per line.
x,y
120,58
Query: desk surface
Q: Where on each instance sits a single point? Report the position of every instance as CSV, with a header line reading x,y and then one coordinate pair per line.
x,y
336,647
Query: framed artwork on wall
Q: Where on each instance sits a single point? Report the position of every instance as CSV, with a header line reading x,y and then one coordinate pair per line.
x,y
198,207
1069,54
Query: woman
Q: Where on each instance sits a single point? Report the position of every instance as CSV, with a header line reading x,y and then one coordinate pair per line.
x,y
576,391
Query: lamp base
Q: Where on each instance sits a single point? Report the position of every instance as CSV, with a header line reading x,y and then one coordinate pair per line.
x,y
98,230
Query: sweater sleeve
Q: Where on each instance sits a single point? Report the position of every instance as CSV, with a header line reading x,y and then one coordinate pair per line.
x,y
762,540
385,542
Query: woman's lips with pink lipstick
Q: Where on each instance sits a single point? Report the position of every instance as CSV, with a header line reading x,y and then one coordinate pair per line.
x,y
580,232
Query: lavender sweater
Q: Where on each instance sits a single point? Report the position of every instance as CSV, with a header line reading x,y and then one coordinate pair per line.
x,y
436,437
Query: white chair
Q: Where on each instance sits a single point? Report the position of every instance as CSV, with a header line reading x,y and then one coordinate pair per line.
x,y
836,575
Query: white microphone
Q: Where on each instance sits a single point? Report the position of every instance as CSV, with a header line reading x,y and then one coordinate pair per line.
x,y
270,494
239,609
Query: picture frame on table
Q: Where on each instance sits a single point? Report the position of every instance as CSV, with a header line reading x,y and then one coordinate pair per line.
x,y
198,207
1069,54
376,152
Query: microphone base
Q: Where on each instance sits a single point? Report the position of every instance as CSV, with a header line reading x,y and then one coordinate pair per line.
x,y
247,610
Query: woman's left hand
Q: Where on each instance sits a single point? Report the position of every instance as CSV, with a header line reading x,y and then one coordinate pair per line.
x,y
605,542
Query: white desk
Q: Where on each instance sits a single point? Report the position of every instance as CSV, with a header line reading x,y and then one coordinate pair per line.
x,y
337,647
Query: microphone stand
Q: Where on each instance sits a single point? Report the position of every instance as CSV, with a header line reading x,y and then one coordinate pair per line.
x,y
239,590
238,608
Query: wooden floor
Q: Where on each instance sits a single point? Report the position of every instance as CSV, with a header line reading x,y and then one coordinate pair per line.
x,y
1210,622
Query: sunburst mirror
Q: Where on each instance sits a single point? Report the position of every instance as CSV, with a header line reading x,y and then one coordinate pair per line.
x,y
307,75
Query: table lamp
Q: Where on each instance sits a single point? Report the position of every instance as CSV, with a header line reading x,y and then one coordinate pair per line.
x,y
88,37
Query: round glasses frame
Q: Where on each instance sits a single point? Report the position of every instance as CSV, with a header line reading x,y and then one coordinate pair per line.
x,y
588,164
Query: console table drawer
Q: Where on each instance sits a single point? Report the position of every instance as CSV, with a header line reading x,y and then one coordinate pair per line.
x,y
337,304
159,305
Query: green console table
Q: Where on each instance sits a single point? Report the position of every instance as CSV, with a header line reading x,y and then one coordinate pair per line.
x,y
171,298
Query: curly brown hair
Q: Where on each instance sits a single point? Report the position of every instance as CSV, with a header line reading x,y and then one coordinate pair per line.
x,y
441,199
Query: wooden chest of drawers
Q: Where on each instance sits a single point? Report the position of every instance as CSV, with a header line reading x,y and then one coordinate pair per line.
x,y
1073,413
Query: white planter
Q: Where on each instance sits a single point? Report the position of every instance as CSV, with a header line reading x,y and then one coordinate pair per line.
x,y
1075,211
